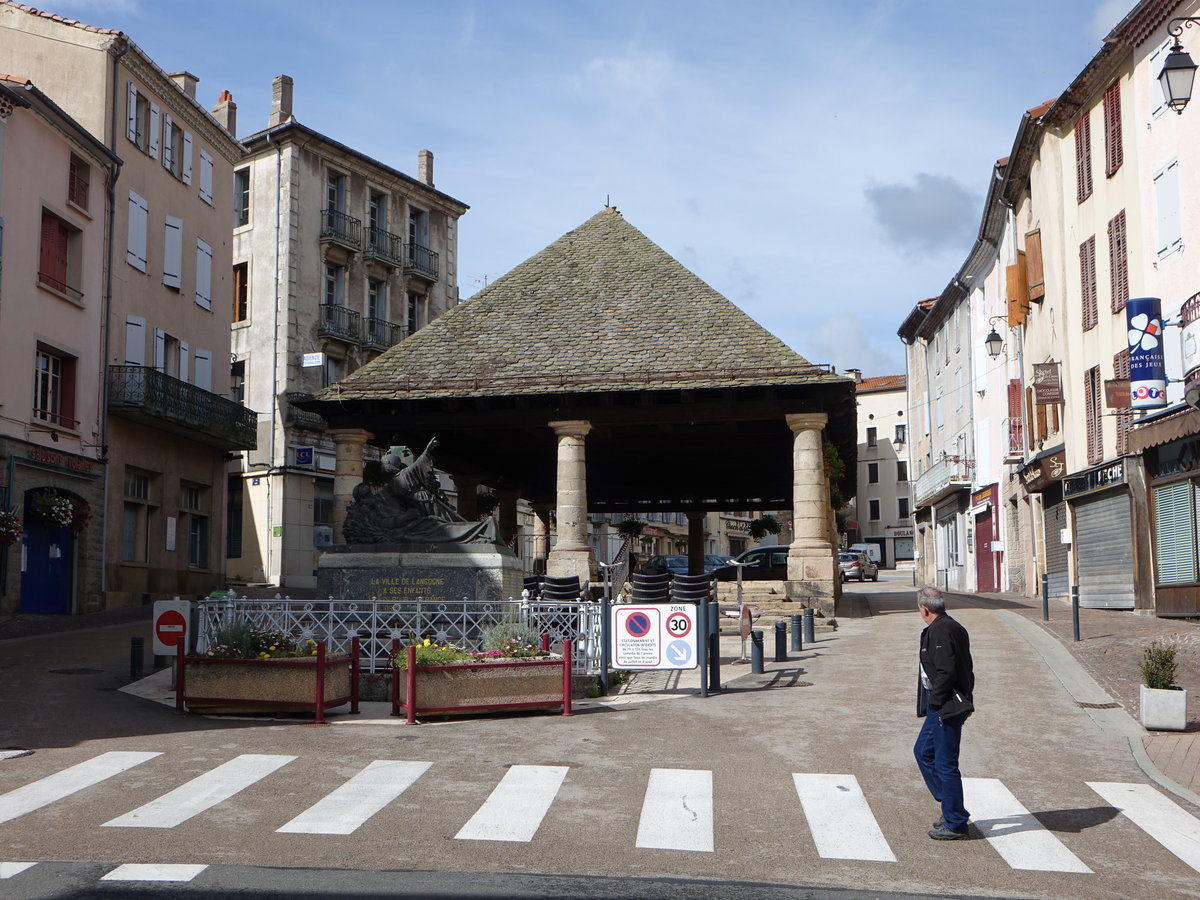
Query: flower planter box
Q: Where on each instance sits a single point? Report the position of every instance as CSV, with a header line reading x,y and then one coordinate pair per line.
x,y
300,684
1163,710
474,687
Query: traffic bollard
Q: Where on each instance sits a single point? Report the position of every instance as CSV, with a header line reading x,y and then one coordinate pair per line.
x,y
714,647
797,643
781,641
756,652
1075,611
137,659
1045,598
808,626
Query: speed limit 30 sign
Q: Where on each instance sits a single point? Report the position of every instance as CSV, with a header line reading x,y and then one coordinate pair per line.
x,y
654,637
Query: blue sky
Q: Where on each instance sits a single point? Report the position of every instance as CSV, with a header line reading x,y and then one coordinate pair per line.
x,y
821,163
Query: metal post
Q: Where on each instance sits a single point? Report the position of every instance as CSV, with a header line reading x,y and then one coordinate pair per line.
x,y
568,659
1045,597
137,656
756,652
355,674
319,700
180,681
396,674
797,642
781,641
702,644
1075,611
714,647
605,640
808,626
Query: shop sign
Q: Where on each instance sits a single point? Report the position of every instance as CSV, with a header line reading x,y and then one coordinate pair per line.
x,y
1177,458
1116,393
50,457
1099,479
984,495
1038,475
896,532
1190,347
1047,385
1147,368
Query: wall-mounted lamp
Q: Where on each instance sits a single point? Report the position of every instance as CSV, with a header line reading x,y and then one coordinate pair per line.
x,y
1178,71
993,342
37,428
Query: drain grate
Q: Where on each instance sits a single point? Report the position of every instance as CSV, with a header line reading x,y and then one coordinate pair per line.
x,y
1100,705
80,670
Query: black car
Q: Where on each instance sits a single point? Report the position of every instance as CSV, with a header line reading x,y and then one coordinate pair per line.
x,y
759,564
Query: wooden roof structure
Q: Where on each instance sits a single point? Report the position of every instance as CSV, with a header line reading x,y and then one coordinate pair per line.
x,y
687,395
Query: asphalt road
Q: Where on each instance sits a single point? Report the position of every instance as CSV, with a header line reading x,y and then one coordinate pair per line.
x,y
798,783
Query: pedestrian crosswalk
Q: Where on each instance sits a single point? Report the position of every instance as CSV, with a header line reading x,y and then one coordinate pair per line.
x,y
677,809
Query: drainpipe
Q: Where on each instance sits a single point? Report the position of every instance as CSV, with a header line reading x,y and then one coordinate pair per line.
x,y
271,467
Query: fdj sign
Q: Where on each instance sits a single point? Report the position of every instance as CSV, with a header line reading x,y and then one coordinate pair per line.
x,y
654,637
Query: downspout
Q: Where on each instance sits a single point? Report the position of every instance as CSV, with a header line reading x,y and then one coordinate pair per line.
x,y
271,467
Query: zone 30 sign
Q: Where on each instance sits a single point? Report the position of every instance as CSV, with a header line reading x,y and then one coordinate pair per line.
x,y
654,637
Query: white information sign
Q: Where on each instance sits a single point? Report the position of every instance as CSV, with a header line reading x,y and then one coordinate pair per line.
x,y
662,636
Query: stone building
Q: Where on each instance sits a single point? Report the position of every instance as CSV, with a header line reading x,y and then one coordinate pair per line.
x,y
336,258
882,510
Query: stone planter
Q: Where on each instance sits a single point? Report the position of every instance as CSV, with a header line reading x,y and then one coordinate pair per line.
x,y
1163,710
303,684
474,687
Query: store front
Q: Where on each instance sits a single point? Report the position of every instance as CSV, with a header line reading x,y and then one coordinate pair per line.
x,y
1101,508
1043,475
989,549
1174,473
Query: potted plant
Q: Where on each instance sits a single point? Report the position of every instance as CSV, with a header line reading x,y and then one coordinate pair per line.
x,y
1163,705
512,672
55,509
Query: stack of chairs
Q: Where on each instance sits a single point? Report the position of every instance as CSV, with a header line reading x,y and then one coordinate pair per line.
x,y
691,588
560,588
651,588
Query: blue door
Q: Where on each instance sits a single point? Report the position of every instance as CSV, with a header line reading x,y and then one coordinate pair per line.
x,y
46,567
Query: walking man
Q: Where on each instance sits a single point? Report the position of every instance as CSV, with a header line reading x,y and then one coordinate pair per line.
x,y
945,682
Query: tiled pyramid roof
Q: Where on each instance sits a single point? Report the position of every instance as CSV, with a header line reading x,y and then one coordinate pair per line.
x,y
603,308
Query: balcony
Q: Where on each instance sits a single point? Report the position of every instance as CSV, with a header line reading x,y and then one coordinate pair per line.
x,y
1014,426
420,261
950,474
340,323
301,418
384,246
381,334
341,229
160,401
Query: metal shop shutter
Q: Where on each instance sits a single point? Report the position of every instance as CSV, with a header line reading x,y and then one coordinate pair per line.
x,y
1104,544
1054,514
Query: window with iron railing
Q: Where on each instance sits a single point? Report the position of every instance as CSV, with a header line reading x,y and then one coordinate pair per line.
x,y
79,182
54,388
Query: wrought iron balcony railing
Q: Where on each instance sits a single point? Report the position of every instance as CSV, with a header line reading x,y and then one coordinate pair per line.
x,y
301,418
421,261
384,246
48,280
339,322
337,226
950,474
146,394
1015,428
381,334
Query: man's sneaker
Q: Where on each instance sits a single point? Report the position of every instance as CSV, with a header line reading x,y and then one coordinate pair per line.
x,y
943,833
940,823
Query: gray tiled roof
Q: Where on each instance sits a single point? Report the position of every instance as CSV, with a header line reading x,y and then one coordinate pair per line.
x,y
602,308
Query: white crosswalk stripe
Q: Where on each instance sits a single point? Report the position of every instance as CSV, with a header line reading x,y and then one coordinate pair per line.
x,y
9,869
1161,818
1013,832
515,809
202,793
677,811
69,781
177,872
347,807
840,818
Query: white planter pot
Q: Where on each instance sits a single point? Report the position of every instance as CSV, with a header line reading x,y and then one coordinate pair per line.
x,y
1163,710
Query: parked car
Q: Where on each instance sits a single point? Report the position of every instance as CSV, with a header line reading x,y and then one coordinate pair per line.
x,y
677,564
857,565
759,564
714,561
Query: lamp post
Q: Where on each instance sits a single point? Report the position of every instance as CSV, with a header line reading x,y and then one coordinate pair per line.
x,y
1178,71
993,342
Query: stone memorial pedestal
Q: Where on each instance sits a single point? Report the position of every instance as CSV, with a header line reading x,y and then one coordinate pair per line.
x,y
419,571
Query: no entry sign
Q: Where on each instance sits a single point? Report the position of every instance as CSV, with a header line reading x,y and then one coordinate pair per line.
x,y
170,626
654,637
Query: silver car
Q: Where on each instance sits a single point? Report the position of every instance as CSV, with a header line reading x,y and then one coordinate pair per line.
x,y
857,566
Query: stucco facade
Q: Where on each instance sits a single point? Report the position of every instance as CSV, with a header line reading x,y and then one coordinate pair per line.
x,y
882,510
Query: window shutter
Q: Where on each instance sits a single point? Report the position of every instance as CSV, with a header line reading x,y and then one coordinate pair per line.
x,y
168,151
153,138
183,361
1174,533
187,158
1118,259
203,274
131,112
160,350
139,218
1114,150
1124,417
1014,398
1041,421
1017,290
1087,282
46,262
1034,270
1083,157
1091,402
1029,433
135,341
206,177
203,379
173,252
1166,192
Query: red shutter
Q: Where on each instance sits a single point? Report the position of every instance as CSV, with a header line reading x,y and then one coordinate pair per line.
x,y
1083,157
1091,403
1118,258
1124,416
66,408
1114,151
53,263
1014,398
1087,282
1029,435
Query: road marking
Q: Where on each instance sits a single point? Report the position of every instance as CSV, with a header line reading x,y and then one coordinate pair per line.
x,y
153,872
343,810
14,754
202,792
1014,832
840,819
9,869
677,812
1162,819
62,784
515,809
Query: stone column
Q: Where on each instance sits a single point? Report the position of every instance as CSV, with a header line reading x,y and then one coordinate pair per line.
x,y
813,575
348,472
467,500
695,543
541,536
571,554
506,515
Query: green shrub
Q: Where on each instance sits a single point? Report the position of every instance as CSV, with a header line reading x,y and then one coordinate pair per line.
x,y
512,639
1158,665
240,639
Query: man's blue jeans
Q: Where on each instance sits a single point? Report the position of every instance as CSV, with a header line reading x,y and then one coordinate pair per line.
x,y
936,751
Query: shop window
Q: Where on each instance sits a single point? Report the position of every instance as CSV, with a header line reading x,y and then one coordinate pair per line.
x,y
1175,532
322,512
135,516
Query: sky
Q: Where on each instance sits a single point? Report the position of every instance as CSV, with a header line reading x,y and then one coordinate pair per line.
x,y
821,163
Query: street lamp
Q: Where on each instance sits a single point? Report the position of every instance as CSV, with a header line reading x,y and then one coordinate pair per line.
x,y
1178,71
993,342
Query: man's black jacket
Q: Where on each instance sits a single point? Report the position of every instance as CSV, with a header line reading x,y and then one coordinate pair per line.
x,y
946,660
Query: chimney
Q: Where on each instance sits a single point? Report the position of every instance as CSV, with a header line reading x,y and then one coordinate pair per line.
x,y
186,82
281,100
425,167
857,373
225,112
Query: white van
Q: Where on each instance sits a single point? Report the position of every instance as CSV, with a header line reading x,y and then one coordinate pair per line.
x,y
872,551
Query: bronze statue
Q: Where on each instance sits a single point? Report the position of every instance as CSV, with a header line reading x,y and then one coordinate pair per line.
x,y
411,507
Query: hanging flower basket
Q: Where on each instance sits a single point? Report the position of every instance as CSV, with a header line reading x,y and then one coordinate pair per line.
x,y
82,516
10,527
55,509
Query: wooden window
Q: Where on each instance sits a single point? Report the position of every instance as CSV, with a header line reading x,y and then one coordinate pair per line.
x,y
54,388
1040,420
1083,157
1087,282
79,182
1118,261
1092,399
1124,416
1114,152
241,292
1017,290
1034,273
52,266
1030,436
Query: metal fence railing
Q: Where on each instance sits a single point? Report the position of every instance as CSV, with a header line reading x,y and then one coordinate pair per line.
x,y
376,622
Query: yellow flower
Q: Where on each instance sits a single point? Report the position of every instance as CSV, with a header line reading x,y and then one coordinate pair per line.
x,y
271,648
264,656
314,653
427,642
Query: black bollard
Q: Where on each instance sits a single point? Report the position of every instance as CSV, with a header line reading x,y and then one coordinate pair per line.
x,y
756,652
808,626
797,643
1045,598
1075,611
714,647
137,657
781,641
